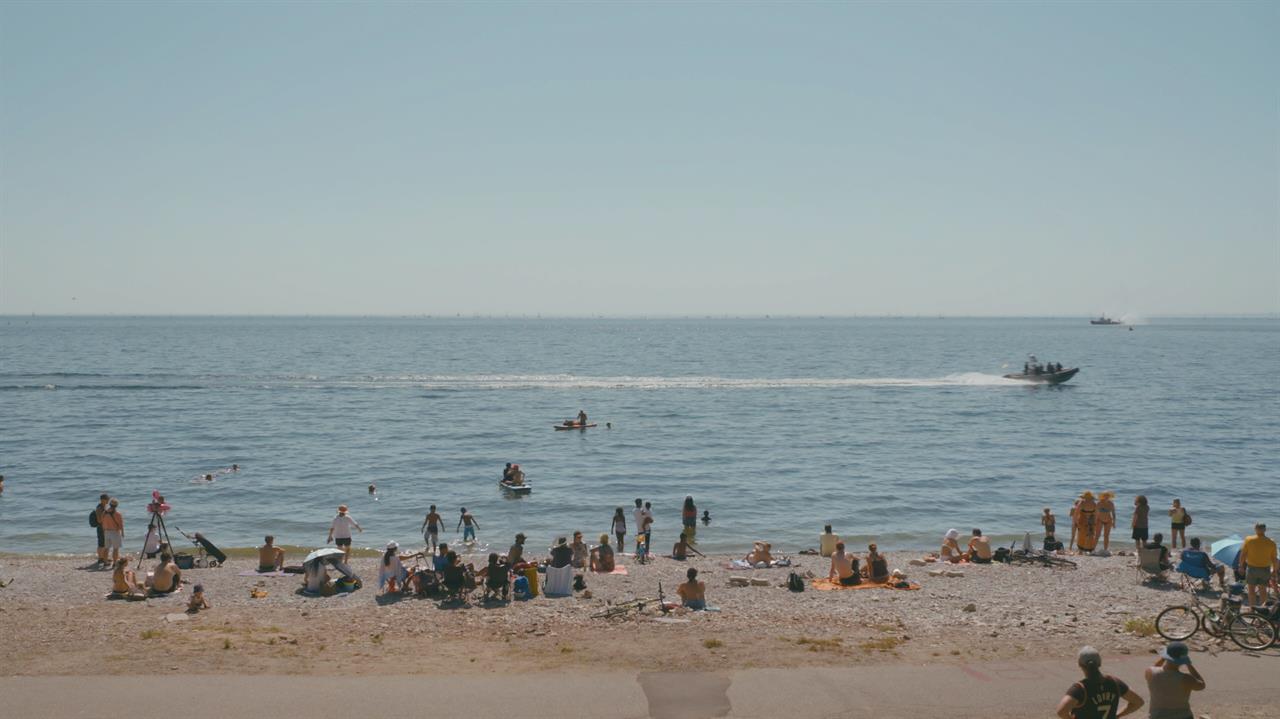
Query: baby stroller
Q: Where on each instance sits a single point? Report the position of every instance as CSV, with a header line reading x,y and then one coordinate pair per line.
x,y
207,556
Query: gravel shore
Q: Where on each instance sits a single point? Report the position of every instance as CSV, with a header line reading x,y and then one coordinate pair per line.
x,y
57,621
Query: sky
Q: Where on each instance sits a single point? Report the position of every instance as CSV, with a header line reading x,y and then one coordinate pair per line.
x,y
640,158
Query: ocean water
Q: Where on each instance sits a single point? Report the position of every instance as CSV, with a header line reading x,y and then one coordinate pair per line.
x,y
889,429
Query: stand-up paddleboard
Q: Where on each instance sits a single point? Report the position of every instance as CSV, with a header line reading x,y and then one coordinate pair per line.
x,y
573,426
515,488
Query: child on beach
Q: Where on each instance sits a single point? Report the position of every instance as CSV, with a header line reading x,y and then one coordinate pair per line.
x,y
1049,521
471,525
431,528
619,527
198,601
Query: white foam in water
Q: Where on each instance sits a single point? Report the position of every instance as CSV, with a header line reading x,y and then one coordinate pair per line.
x,y
563,381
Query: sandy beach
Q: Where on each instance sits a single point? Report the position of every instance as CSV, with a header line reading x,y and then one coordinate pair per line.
x,y
59,623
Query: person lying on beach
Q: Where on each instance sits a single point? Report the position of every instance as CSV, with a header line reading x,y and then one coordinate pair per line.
x,y
693,594
198,601
877,566
270,557
124,582
760,554
602,556
979,551
581,552
950,551
166,578
844,567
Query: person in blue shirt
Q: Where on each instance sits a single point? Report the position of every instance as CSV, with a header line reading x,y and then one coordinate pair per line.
x,y
1197,563
441,560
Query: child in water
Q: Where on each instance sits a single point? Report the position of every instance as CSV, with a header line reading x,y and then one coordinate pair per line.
x,y
706,516
198,601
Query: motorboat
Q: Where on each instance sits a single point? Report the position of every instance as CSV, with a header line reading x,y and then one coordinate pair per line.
x,y
1038,373
1105,320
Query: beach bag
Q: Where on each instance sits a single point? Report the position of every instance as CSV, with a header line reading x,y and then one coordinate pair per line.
x,y
93,519
1186,518
795,582
579,583
1001,554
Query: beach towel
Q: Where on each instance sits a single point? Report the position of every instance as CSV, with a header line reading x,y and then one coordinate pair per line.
x,y
253,573
743,564
618,569
826,585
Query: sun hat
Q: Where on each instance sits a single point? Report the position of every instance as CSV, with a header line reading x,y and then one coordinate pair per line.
x,y
1089,657
1108,495
1086,495
1176,653
952,534
393,544
561,540
342,507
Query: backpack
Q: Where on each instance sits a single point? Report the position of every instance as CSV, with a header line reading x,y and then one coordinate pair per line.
x,y
1001,554
1186,518
795,582
93,518
520,588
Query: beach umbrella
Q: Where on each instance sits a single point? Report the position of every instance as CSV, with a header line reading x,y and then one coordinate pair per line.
x,y
1227,550
322,552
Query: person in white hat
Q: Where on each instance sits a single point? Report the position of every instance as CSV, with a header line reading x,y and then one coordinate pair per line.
x,y
391,571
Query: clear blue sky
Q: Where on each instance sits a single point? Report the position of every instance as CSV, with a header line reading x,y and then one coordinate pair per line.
x,y
624,159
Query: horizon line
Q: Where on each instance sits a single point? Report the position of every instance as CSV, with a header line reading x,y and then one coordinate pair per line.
x,y
654,316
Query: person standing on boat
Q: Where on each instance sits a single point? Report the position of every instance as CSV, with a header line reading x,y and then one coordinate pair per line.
x,y
582,418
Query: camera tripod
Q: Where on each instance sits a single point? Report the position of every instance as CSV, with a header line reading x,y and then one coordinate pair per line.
x,y
162,533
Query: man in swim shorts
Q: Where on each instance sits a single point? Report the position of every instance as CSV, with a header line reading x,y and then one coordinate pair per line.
x,y
979,548
270,557
468,525
431,528
844,568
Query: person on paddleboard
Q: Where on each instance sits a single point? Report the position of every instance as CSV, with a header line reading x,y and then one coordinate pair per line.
x,y
582,418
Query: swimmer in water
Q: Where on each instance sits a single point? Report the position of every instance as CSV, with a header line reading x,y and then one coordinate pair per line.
x,y
208,478
373,489
235,468
706,516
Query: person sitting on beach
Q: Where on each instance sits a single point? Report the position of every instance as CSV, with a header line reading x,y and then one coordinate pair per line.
x,y
581,552
979,551
602,556
515,555
497,577
950,551
693,594
197,601
315,578
682,548
561,554
391,571
166,578
1157,542
454,574
877,566
1195,562
844,567
760,554
124,583
270,557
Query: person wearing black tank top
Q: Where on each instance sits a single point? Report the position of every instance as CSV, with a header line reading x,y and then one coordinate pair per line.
x,y
1098,695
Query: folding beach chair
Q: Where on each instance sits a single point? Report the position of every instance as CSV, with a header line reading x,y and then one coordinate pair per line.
x,y
1149,567
559,582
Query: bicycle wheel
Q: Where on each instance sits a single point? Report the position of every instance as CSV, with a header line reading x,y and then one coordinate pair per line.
x,y
1252,631
1177,623
1212,623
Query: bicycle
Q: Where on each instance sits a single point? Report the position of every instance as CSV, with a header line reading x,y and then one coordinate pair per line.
x,y
1038,557
1249,630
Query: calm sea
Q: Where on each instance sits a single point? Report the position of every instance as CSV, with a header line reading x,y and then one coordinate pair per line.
x,y
893,429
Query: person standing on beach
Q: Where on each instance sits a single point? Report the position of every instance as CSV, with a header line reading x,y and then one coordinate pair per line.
x,y
112,522
1087,522
1106,517
648,527
1049,521
618,527
1178,524
431,528
1073,517
1257,560
637,515
689,518
1169,688
1139,522
340,531
1098,695
468,525
95,521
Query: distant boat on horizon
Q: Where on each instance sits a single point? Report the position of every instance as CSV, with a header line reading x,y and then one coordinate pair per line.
x,y
1104,320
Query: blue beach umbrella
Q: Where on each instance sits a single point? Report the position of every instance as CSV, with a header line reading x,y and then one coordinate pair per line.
x,y
1227,550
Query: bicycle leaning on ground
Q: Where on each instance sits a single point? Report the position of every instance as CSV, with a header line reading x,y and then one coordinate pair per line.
x,y
1248,629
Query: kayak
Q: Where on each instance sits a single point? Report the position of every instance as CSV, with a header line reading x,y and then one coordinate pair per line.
x,y
515,488
573,426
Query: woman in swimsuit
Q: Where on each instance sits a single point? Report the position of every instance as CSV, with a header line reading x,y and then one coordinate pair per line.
x,y
877,565
1178,523
1106,517
1087,522
1073,516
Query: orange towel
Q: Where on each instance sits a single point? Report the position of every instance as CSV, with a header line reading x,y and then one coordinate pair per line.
x,y
826,585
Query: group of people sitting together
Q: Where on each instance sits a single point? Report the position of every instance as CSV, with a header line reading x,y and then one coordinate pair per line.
x,y
977,551
163,580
